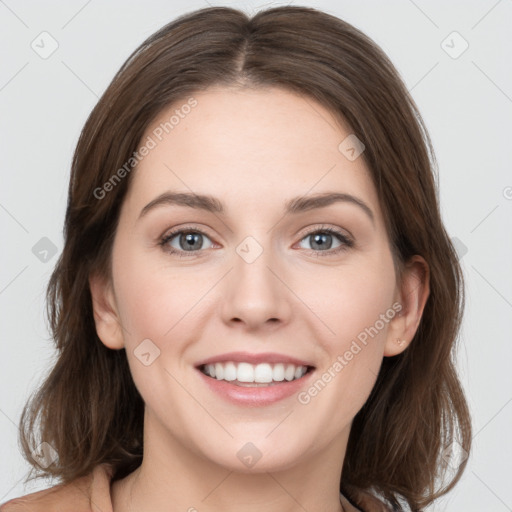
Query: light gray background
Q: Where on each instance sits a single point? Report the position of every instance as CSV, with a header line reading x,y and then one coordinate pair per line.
x,y
466,103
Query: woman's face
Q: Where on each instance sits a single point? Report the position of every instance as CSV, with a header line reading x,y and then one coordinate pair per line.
x,y
258,276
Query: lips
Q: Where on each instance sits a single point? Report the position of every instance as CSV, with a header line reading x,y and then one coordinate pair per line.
x,y
253,394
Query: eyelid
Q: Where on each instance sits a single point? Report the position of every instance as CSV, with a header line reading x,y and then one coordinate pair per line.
x,y
329,228
187,227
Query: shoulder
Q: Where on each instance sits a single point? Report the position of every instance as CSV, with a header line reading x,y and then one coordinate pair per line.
x,y
76,496
54,499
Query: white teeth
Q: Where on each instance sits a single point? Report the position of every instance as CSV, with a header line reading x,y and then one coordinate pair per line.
x,y
245,373
230,371
219,371
289,373
260,373
278,372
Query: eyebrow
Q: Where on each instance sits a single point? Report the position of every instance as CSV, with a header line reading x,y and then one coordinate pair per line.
x,y
293,206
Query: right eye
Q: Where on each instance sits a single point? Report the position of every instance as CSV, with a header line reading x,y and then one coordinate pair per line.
x,y
183,241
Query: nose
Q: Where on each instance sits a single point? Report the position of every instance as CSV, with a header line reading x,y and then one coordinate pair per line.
x,y
255,292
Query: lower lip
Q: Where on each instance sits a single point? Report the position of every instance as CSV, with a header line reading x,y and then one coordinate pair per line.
x,y
255,396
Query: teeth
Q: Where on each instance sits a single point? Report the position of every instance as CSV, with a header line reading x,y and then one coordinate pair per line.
x,y
219,370
230,372
289,372
259,373
245,372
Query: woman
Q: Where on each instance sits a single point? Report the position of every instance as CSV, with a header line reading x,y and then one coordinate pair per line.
x,y
257,303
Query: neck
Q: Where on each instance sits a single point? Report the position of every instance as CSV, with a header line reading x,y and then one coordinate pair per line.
x,y
174,477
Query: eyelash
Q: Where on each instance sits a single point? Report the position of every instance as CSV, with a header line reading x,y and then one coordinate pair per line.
x,y
347,242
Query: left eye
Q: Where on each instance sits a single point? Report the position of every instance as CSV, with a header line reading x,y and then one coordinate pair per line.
x,y
321,240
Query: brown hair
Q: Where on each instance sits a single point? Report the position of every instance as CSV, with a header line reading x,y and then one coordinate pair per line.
x,y
89,409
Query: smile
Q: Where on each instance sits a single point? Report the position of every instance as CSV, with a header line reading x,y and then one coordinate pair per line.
x,y
254,375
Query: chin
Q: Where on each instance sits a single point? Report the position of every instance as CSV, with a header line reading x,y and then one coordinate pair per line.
x,y
257,456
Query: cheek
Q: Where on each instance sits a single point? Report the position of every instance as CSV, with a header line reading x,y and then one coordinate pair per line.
x,y
156,306
153,298
355,308
351,299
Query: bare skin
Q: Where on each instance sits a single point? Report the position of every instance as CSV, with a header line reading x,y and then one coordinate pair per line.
x,y
253,150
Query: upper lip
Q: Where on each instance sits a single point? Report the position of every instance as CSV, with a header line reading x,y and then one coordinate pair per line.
x,y
246,357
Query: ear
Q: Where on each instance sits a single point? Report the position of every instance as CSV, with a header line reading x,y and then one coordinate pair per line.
x,y
412,294
106,318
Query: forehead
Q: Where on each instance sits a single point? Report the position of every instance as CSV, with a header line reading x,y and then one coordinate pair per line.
x,y
248,145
